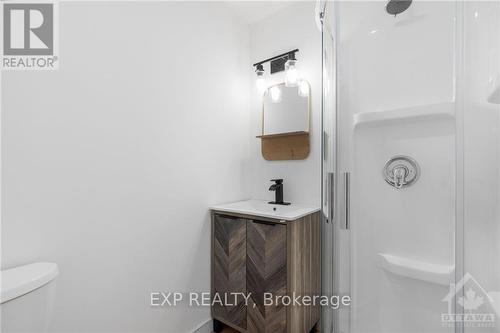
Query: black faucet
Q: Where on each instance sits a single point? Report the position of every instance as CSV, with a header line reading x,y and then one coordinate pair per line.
x,y
277,187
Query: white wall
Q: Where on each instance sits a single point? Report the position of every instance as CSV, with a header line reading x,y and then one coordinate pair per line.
x,y
110,163
293,27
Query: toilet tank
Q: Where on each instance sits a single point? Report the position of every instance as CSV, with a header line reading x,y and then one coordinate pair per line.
x,y
27,295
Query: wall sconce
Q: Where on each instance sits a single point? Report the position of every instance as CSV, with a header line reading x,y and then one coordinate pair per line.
x,y
261,81
283,62
291,71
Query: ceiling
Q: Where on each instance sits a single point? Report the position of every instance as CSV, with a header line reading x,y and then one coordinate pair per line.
x,y
254,11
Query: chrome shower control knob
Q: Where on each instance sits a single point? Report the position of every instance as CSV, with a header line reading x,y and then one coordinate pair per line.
x,y
401,171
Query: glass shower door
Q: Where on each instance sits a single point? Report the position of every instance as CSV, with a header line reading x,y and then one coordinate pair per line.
x,y
328,166
392,137
478,165
336,250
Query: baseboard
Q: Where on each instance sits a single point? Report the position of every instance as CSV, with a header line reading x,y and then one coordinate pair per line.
x,y
204,328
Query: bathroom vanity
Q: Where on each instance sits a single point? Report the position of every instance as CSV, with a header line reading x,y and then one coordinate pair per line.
x,y
262,250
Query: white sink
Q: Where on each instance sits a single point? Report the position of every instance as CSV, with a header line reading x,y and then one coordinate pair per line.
x,y
264,209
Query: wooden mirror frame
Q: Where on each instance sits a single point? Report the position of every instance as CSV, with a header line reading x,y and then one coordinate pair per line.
x,y
285,146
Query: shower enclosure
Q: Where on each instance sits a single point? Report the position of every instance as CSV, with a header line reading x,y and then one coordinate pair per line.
x,y
411,166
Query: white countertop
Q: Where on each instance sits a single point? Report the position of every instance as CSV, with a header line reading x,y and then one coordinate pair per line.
x,y
264,209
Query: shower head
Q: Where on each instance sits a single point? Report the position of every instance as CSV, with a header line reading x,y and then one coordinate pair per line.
x,y
395,7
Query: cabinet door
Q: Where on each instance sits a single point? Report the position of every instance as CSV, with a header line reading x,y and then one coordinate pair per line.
x,y
266,273
229,269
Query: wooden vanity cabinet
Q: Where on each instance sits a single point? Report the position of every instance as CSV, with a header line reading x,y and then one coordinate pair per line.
x,y
229,246
255,255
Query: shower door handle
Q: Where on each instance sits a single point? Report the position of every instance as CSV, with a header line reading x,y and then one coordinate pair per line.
x,y
331,196
346,222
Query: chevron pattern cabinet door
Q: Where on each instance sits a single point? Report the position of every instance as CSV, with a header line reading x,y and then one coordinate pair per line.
x,y
266,273
229,268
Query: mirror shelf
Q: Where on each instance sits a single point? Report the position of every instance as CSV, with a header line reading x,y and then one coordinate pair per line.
x,y
285,146
267,136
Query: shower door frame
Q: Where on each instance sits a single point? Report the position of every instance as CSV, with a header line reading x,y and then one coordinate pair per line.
x,y
333,180
459,156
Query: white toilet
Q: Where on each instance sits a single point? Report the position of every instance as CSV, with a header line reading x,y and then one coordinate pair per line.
x,y
27,294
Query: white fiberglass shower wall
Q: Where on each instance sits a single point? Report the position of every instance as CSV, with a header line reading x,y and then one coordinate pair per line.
x,y
422,84
478,159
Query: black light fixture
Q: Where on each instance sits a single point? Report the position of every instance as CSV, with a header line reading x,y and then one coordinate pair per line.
x,y
285,61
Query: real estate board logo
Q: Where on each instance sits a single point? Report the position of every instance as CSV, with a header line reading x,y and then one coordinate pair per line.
x,y
30,36
477,307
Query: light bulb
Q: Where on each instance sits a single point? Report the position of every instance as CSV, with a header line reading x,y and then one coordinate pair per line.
x,y
291,76
260,83
275,94
303,88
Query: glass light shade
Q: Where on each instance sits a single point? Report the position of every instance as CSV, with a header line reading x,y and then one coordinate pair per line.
x,y
291,76
260,82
